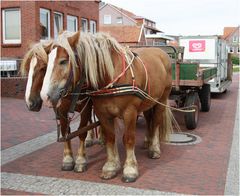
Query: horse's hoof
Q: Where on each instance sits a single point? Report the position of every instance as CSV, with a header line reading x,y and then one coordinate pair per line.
x,y
88,143
108,175
129,179
79,168
153,155
67,166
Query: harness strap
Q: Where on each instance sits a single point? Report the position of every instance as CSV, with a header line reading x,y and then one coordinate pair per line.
x,y
58,116
147,83
75,95
123,72
117,91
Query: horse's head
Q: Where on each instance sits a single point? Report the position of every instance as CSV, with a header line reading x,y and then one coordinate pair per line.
x,y
34,65
61,70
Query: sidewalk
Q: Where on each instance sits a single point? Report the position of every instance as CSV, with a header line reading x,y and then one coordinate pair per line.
x,y
203,168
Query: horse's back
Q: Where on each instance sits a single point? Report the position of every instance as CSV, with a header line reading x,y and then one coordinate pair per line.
x,y
154,54
157,62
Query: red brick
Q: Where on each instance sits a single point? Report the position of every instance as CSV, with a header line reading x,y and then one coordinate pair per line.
x,y
30,29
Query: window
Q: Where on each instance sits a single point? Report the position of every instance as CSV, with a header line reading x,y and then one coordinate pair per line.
x,y
93,26
45,24
11,26
72,23
234,38
119,20
58,23
84,25
107,19
231,50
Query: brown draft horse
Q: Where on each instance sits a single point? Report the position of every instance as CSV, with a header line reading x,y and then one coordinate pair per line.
x,y
105,64
34,65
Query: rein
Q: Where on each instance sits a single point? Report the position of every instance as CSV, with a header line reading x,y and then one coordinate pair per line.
x,y
74,101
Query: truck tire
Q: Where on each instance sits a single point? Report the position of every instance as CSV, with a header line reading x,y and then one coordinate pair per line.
x,y
191,118
205,97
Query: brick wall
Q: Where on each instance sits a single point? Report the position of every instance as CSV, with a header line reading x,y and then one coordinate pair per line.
x,y
28,30
13,87
30,22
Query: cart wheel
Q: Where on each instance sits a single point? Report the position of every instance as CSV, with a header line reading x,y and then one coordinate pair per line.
x,y
205,97
191,118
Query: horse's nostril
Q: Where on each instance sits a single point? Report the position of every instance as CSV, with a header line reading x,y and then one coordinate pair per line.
x,y
48,97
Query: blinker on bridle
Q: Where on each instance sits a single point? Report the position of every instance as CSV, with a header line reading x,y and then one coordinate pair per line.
x,y
68,87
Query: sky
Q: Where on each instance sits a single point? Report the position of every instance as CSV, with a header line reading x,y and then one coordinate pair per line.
x,y
186,17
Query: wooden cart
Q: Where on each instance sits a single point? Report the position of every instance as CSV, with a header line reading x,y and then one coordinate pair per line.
x,y
190,84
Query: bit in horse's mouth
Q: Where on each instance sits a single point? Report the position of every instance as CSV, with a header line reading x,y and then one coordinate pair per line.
x,y
48,103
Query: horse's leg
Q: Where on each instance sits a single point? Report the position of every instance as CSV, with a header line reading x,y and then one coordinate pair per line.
x,y
130,170
68,161
112,166
148,118
89,139
161,126
153,132
81,160
101,139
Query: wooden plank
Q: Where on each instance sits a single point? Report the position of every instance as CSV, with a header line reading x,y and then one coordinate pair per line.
x,y
78,132
188,71
197,83
177,74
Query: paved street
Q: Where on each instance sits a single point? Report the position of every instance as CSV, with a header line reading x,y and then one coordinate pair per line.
x,y
31,157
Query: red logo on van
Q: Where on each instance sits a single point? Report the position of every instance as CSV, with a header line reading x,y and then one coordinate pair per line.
x,y
197,46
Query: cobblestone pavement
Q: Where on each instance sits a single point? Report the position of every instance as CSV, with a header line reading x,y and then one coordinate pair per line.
x,y
31,159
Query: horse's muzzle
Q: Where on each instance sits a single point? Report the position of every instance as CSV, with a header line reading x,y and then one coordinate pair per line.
x,y
35,105
53,98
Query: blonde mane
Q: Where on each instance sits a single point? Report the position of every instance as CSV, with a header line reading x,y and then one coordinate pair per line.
x,y
37,50
95,54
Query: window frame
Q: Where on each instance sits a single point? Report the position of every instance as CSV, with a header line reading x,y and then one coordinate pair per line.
x,y
231,49
76,21
234,39
119,20
49,20
11,41
109,17
60,14
86,20
94,30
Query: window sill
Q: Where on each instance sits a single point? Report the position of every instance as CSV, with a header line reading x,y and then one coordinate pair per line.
x,y
11,45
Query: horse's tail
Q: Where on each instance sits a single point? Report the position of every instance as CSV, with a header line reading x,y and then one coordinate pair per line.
x,y
166,126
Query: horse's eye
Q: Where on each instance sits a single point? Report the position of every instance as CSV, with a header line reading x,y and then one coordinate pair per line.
x,y
63,62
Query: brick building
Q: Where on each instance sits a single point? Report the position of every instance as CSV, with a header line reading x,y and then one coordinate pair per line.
x,y
27,22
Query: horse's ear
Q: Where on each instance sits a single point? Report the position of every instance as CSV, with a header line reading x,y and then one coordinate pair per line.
x,y
60,32
74,39
47,47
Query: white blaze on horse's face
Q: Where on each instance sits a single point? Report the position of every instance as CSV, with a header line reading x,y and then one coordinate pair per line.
x,y
47,79
33,64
